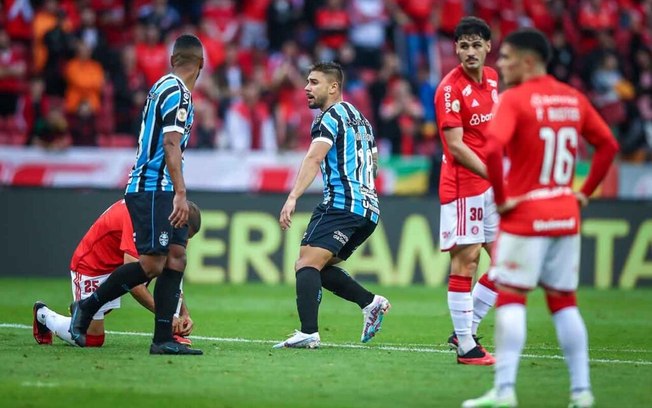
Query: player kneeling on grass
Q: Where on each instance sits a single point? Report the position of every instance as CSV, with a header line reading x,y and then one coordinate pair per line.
x,y
108,244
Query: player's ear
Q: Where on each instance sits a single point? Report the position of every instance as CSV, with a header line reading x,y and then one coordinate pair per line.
x,y
489,46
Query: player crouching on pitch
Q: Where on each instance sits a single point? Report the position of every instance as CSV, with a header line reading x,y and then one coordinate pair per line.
x,y
108,244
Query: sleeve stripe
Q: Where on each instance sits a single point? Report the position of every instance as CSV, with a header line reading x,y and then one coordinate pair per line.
x,y
173,128
322,139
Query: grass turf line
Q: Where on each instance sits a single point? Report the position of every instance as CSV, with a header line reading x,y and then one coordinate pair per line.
x,y
250,374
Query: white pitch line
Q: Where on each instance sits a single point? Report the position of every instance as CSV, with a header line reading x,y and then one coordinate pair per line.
x,y
378,346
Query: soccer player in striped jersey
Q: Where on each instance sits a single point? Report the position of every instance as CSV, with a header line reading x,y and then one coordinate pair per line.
x,y
156,200
343,146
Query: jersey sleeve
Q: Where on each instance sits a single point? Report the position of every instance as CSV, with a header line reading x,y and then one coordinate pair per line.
x,y
127,244
597,133
448,107
174,111
325,130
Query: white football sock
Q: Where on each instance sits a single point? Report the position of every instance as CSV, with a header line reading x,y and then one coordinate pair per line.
x,y
57,323
460,305
573,339
510,339
483,300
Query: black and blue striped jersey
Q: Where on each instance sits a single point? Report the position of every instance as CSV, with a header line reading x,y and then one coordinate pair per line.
x,y
348,167
168,108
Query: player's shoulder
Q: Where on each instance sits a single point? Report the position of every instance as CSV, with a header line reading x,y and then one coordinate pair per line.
x,y
451,81
491,75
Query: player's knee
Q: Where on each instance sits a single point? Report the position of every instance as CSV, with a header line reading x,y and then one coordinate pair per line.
x,y
506,297
560,300
94,340
178,263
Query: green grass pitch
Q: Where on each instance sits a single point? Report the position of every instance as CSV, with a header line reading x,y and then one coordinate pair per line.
x,y
406,365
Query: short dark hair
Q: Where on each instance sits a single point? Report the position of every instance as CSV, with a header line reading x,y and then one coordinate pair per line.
x,y
470,26
183,47
530,39
194,217
330,68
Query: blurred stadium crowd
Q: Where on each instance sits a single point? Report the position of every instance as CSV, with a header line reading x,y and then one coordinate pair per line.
x,y
76,72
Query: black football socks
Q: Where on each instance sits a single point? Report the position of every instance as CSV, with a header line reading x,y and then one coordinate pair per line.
x,y
166,299
308,298
343,285
117,284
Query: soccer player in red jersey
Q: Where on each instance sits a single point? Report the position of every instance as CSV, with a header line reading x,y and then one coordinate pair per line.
x,y
468,219
538,123
108,244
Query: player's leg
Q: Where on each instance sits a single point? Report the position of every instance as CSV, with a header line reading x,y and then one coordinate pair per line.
x,y
517,265
464,263
167,293
338,281
560,279
484,291
308,290
462,234
318,246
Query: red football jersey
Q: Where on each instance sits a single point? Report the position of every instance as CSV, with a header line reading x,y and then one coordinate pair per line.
x,y
103,247
462,102
538,124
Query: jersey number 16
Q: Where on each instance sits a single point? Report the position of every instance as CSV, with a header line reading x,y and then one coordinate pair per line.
x,y
558,160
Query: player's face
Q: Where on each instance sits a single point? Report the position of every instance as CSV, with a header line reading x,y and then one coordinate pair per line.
x,y
472,51
510,64
317,89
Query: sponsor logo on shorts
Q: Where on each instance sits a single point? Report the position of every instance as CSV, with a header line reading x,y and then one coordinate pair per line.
x,y
163,239
475,230
446,234
339,236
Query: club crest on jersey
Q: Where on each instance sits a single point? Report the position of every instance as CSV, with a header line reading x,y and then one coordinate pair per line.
x,y
455,106
494,95
164,238
467,91
182,115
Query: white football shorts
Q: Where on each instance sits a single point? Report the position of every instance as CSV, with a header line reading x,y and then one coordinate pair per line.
x,y
83,286
526,262
468,220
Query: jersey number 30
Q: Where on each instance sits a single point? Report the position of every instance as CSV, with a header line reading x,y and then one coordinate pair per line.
x,y
558,159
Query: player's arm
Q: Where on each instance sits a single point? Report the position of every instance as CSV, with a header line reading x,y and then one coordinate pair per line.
x,y
140,292
173,159
597,133
463,153
307,172
499,132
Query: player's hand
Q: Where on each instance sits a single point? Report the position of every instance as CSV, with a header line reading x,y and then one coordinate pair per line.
x,y
180,210
186,326
507,206
581,198
285,219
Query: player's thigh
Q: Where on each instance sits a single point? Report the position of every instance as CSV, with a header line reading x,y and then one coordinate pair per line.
x,y
84,286
561,265
467,220
518,260
365,228
149,212
330,228
464,259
